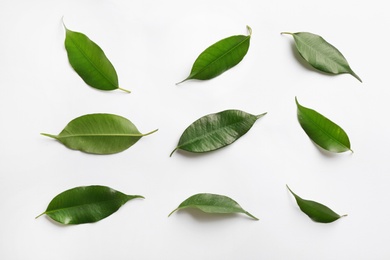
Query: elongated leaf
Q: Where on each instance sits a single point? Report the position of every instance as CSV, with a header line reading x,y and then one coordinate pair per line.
x,y
322,131
316,211
213,203
320,54
86,204
220,57
99,134
90,62
215,131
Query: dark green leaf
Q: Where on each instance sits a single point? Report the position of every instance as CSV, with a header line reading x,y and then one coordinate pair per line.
x,y
215,131
213,203
220,57
86,204
316,211
99,134
322,131
320,54
90,62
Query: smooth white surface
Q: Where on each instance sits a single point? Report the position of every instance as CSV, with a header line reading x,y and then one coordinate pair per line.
x,y
152,45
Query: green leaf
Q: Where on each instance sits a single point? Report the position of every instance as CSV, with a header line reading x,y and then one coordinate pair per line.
x,y
322,131
320,54
316,211
86,204
220,57
212,203
99,134
215,131
90,62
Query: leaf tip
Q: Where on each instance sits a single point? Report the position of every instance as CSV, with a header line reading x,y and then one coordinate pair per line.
x,y
296,101
356,76
261,115
250,215
290,190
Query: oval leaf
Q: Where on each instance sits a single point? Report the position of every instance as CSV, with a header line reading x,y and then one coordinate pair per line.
x,y
320,54
86,204
213,203
90,62
215,131
322,131
99,134
220,57
316,211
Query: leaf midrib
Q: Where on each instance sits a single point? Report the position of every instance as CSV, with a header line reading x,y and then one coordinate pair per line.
x,y
220,57
101,135
82,205
326,133
90,61
215,207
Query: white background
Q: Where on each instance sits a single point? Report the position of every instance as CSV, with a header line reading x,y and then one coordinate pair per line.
x,y
153,45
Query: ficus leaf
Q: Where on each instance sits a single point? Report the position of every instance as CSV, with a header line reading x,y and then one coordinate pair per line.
x,y
220,57
316,211
212,203
320,54
215,131
86,204
322,131
99,134
90,62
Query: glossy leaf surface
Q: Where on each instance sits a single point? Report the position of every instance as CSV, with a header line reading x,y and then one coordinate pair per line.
x,y
99,134
316,211
320,54
90,62
215,131
212,203
322,131
220,57
86,204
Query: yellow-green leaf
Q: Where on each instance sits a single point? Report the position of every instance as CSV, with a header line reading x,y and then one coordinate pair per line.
x,y
99,134
212,203
320,54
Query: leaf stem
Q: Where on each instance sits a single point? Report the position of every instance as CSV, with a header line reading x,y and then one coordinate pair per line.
x,y
40,215
63,23
172,153
286,33
181,81
49,135
150,132
172,212
125,90
261,115
249,30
